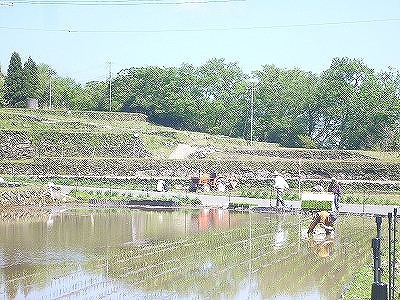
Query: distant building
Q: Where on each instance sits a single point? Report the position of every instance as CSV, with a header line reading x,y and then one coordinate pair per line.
x,y
32,103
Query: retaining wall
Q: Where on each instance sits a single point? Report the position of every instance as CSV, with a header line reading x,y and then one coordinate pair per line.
x,y
24,145
25,197
148,167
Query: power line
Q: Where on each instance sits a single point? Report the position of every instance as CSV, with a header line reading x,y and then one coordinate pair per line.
x,y
204,29
117,2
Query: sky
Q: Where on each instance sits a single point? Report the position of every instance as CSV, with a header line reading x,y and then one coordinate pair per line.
x,y
79,39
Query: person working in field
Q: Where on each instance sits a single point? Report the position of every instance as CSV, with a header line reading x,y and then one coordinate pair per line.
x,y
280,185
325,219
334,187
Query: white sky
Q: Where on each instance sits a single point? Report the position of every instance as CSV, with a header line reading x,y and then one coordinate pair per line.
x,y
290,33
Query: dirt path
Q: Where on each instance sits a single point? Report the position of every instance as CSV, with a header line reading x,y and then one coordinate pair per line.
x,y
182,151
224,200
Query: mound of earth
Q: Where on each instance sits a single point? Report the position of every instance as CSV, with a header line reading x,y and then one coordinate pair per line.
x,y
182,151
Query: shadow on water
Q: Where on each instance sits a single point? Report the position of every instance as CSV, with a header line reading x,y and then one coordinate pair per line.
x,y
179,254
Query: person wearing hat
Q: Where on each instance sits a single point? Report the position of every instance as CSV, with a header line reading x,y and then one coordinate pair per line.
x,y
325,219
280,185
335,188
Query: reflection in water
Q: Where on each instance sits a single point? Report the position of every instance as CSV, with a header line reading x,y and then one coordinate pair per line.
x,y
323,248
209,218
280,236
322,244
182,254
50,221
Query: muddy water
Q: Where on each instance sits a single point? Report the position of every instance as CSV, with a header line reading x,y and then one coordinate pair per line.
x,y
185,254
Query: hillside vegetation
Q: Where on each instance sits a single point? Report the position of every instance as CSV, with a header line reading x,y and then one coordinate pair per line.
x,y
59,144
347,106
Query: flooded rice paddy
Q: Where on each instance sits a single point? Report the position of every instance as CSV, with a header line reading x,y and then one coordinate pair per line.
x,y
182,254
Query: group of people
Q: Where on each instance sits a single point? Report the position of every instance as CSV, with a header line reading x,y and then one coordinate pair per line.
x,y
281,185
324,218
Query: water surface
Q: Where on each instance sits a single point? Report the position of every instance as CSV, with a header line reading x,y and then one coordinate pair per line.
x,y
179,254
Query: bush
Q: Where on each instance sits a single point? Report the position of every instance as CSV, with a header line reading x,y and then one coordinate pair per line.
x,y
307,142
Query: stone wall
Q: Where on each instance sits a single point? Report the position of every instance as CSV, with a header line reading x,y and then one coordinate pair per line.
x,y
37,196
87,145
308,154
23,145
15,145
147,167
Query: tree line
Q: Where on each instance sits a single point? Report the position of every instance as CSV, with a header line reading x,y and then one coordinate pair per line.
x,y
347,106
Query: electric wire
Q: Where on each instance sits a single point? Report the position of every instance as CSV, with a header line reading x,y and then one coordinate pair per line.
x,y
184,30
117,2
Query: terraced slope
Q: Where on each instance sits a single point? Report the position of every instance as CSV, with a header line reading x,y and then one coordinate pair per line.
x,y
40,142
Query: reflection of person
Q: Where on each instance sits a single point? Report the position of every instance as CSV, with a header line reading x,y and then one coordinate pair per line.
x,y
325,219
280,185
322,248
335,188
318,187
280,237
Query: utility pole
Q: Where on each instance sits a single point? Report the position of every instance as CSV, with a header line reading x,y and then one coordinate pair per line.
x,y
50,90
110,82
251,114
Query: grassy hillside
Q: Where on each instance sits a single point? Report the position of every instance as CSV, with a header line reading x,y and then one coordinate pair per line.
x,y
43,143
159,141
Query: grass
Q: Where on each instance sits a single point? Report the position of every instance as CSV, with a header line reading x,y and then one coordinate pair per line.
x,y
85,196
246,191
382,155
380,198
360,287
157,139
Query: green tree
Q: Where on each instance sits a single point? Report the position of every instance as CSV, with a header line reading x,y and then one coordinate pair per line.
x,y
384,128
68,94
2,100
65,93
188,93
359,107
31,75
204,99
287,109
221,106
96,94
152,91
15,89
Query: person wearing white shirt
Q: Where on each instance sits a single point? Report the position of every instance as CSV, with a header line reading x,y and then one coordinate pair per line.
x,y
280,186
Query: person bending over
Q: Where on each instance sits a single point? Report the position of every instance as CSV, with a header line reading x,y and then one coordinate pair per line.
x,y
325,219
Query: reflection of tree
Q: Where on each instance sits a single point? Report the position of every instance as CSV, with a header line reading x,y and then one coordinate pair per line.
x,y
24,278
35,251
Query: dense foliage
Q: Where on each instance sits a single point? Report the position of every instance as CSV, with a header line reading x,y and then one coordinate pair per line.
x,y
348,106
